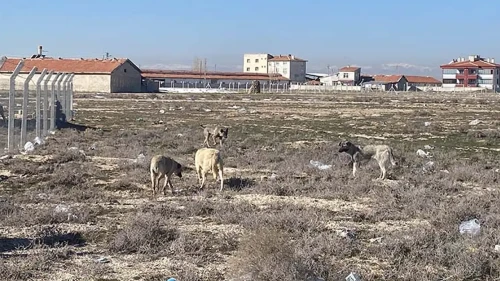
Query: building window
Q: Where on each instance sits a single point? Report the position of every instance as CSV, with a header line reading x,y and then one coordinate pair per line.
x,y
460,81
256,68
449,81
461,71
124,70
472,71
285,70
248,60
277,63
256,60
485,71
248,68
346,75
449,71
485,81
472,81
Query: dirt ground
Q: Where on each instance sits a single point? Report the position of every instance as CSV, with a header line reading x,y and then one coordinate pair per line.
x,y
79,207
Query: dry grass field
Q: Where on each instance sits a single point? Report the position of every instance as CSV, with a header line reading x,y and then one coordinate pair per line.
x,y
80,208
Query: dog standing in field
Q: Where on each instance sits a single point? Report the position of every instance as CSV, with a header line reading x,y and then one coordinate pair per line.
x,y
162,166
214,134
209,160
382,153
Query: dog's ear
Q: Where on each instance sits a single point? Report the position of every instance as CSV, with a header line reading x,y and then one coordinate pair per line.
x,y
179,166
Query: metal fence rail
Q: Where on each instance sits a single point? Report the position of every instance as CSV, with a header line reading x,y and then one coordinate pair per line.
x,y
36,122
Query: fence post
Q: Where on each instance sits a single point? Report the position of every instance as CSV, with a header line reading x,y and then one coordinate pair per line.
x,y
26,93
71,98
65,93
38,102
45,105
12,104
53,101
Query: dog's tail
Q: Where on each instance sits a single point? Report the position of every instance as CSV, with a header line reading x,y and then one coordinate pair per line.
x,y
393,161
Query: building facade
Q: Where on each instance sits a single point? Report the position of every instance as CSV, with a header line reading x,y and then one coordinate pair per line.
x,y
255,63
193,79
471,72
91,75
289,66
349,75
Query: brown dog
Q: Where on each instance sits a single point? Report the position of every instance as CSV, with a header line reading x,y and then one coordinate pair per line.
x,y
162,166
214,134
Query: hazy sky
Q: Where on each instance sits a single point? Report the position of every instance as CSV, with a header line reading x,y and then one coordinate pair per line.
x,y
417,36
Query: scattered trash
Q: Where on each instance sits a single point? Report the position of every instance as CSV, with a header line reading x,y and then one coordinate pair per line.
x,y
242,110
171,279
3,157
29,146
39,141
444,171
207,110
497,170
375,240
470,227
497,248
64,210
424,154
139,119
93,146
474,122
140,158
180,135
162,111
428,147
353,276
235,107
427,124
253,111
347,233
319,165
428,167
102,260
273,176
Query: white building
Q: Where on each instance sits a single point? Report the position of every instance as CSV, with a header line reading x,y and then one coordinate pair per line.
x,y
349,75
289,66
255,63
472,72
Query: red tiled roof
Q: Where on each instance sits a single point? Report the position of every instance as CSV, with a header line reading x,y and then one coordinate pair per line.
x,y
387,78
349,69
65,65
182,74
473,64
422,79
285,58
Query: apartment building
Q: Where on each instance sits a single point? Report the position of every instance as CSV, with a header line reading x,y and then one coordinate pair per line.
x,y
288,66
472,72
256,63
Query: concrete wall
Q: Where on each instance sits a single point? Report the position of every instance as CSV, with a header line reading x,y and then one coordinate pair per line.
x,y
126,79
168,81
295,87
81,82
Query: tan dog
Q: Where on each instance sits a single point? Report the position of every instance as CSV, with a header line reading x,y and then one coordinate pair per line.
x,y
382,153
214,134
206,160
162,166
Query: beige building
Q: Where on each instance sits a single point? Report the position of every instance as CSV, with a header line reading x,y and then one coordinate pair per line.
x,y
255,63
288,66
91,75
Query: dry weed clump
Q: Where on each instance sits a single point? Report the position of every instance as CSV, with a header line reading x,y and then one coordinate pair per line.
x,y
144,234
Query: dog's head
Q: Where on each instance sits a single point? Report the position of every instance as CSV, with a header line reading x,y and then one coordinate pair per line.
x,y
345,146
178,170
222,133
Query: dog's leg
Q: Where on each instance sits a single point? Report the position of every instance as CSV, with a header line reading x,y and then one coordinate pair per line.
x,y
205,142
355,165
153,183
171,185
165,182
203,177
215,141
221,180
